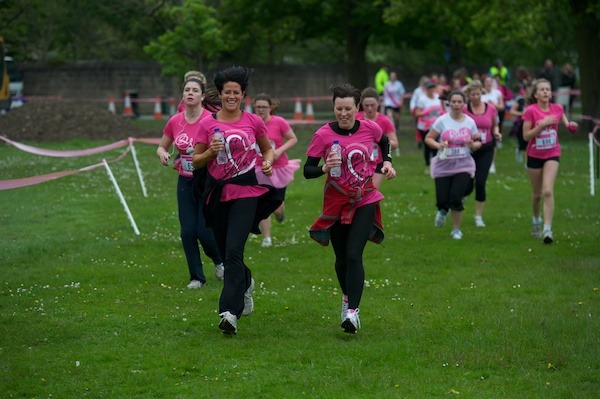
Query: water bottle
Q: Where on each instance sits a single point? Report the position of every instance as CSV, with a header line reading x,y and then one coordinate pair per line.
x,y
221,155
442,155
375,152
336,149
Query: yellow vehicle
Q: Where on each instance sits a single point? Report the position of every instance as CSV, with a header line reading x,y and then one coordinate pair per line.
x,y
5,96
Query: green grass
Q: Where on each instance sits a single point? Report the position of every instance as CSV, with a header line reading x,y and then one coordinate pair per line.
x,y
88,309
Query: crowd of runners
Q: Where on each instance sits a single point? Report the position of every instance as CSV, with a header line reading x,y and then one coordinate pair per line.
x,y
233,168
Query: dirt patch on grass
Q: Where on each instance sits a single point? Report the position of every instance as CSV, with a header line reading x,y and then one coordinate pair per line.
x,y
49,120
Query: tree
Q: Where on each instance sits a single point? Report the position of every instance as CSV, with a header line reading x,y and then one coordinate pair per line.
x,y
193,38
586,19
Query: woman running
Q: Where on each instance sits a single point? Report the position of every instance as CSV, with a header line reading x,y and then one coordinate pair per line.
x,y
351,215
370,111
453,166
282,138
540,130
234,202
486,119
180,130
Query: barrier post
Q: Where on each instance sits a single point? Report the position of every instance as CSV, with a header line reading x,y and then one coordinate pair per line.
x,y
248,107
121,198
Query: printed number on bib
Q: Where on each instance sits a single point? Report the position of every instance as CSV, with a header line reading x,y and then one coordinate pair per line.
x,y
456,152
546,142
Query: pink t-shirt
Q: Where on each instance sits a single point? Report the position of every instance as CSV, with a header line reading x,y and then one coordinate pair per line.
x,y
458,156
384,123
183,135
358,164
545,145
276,128
431,108
240,146
484,122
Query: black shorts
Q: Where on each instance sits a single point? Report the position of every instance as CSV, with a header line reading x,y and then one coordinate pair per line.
x,y
395,109
538,163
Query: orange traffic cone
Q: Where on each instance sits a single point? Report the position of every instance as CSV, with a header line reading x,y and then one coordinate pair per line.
x,y
157,109
111,105
248,107
298,109
310,113
127,109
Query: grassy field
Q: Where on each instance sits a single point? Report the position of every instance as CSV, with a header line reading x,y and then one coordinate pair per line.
x,y
89,309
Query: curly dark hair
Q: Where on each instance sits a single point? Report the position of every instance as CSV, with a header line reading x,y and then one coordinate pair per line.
x,y
237,74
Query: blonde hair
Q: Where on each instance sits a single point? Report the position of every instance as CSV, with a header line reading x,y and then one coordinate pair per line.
x,y
195,74
474,85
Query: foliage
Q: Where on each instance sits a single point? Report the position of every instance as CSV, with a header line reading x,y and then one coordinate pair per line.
x,y
89,309
63,30
194,37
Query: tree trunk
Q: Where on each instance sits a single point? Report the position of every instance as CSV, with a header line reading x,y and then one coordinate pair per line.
x,y
356,44
587,34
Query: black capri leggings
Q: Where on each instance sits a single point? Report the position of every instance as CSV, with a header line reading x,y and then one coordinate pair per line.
x,y
450,190
348,241
483,160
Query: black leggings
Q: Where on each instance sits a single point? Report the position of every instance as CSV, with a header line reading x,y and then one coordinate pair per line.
x,y
348,241
428,152
232,226
450,190
483,160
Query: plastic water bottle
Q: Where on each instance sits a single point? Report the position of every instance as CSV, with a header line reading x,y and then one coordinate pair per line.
x,y
375,152
336,150
222,155
442,155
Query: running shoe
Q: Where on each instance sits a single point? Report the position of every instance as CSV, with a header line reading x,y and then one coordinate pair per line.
x,y
479,221
440,219
456,234
536,230
493,169
344,307
266,242
195,284
548,237
352,322
248,300
220,271
228,323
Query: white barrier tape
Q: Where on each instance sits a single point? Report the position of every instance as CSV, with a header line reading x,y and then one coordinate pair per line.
x,y
32,180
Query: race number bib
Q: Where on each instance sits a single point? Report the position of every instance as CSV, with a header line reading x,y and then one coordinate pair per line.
x,y
457,152
546,140
483,135
186,163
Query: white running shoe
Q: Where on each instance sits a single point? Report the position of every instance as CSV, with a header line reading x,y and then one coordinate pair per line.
x,y
536,230
479,221
344,307
352,321
548,237
266,242
248,300
220,271
440,219
493,169
457,234
195,284
228,323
